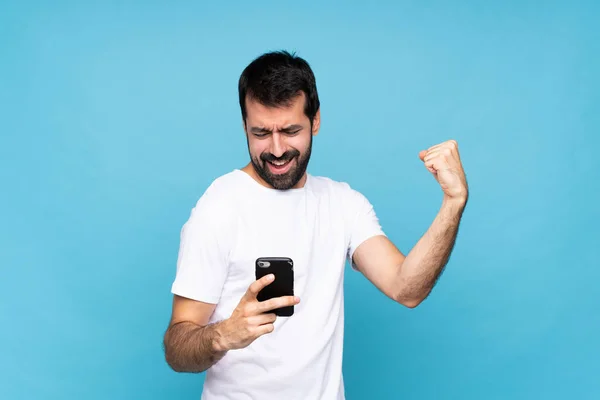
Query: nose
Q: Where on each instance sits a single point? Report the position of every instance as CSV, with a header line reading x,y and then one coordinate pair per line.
x,y
277,144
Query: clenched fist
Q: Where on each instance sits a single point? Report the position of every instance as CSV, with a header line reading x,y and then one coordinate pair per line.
x,y
443,161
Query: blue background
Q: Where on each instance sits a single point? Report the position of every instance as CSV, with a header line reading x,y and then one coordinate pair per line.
x,y
115,116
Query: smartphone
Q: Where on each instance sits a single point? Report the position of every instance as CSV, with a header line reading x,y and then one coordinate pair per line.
x,y
283,285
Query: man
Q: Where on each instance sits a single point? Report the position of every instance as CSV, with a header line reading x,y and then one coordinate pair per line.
x,y
273,207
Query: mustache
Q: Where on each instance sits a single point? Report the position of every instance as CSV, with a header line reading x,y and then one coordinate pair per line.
x,y
288,155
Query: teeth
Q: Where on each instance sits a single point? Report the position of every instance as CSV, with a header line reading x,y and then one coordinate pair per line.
x,y
278,163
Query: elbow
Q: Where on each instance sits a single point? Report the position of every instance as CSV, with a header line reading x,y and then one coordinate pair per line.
x,y
171,360
178,362
174,366
409,303
178,366
410,300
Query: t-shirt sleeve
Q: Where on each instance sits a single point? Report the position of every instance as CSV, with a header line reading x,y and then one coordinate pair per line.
x,y
202,262
362,220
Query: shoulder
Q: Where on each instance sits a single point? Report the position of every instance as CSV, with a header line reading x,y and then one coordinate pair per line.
x,y
225,188
350,204
218,199
350,201
342,190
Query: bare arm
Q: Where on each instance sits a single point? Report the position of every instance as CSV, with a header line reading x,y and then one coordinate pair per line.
x,y
409,279
190,342
425,262
193,345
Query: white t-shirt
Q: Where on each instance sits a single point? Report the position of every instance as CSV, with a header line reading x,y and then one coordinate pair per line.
x,y
319,226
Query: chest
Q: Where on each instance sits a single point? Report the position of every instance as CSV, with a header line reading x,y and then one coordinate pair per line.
x,y
312,232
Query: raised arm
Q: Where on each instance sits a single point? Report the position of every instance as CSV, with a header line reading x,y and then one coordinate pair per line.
x,y
409,279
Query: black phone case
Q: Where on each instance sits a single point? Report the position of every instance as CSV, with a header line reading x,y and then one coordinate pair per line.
x,y
283,285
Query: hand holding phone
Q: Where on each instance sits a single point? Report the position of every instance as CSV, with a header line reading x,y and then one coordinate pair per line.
x,y
251,318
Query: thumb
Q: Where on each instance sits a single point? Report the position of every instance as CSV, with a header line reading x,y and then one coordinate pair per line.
x,y
422,154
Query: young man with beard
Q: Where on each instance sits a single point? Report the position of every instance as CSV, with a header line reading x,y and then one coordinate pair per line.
x,y
273,207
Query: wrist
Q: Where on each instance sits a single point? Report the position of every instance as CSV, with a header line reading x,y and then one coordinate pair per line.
x,y
456,204
218,338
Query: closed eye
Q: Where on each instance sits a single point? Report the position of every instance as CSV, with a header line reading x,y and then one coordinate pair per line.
x,y
263,132
260,132
292,130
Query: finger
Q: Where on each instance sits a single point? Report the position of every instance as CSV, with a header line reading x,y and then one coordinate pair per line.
x,y
438,163
264,329
277,302
262,319
426,155
448,143
432,148
431,155
430,166
448,153
258,285
446,147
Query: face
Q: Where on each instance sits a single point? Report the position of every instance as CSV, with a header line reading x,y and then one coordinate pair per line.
x,y
280,142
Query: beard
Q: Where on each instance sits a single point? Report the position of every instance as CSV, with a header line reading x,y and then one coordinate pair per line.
x,y
288,179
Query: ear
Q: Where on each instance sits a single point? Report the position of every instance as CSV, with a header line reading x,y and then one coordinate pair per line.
x,y
316,123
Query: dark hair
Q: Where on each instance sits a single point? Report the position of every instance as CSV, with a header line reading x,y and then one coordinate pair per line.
x,y
274,80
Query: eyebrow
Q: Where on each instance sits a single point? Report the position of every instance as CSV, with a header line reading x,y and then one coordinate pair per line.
x,y
291,128
256,129
287,129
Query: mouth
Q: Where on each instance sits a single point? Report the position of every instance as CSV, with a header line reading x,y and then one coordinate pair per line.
x,y
279,167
